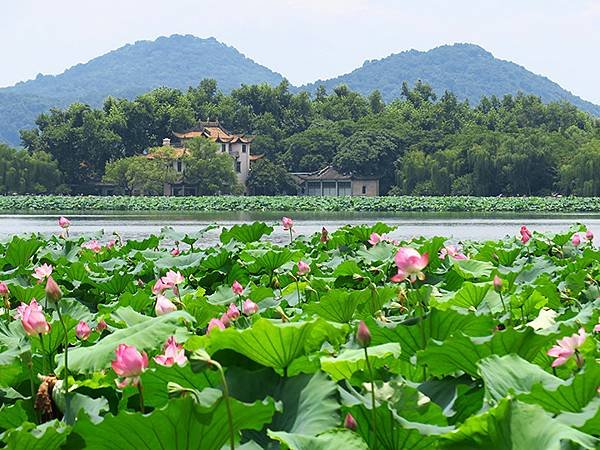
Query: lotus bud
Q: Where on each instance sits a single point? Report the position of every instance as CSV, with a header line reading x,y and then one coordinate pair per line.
x,y
3,289
233,312
363,335
164,306
214,323
249,307
83,330
303,268
175,252
63,222
589,235
101,326
225,320
287,223
497,283
350,422
324,235
53,292
576,240
237,288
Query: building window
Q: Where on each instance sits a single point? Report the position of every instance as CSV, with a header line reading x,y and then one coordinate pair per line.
x,y
364,189
179,166
238,167
313,188
344,188
244,148
330,188
223,147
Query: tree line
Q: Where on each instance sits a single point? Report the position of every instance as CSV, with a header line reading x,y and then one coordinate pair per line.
x,y
417,144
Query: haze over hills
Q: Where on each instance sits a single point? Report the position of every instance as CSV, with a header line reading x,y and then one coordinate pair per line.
x,y
182,61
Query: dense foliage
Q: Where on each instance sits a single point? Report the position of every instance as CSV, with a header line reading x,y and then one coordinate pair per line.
x,y
297,203
418,144
28,173
128,72
467,70
204,168
346,340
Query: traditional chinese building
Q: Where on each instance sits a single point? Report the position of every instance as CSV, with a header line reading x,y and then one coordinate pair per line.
x,y
330,182
236,145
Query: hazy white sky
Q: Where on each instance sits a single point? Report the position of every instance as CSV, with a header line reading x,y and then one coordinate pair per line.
x,y
306,40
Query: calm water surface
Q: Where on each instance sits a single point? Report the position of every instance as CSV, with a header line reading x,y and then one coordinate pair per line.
x,y
458,226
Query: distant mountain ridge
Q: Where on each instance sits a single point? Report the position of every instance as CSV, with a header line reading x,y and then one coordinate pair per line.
x,y
182,61
467,70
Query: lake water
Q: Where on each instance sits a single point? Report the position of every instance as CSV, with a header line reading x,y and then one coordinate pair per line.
x,y
457,226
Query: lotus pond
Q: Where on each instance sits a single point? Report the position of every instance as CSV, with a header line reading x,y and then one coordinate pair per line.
x,y
346,339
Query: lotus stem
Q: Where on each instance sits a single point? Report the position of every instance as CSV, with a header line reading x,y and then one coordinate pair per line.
x,y
227,403
64,325
373,411
141,392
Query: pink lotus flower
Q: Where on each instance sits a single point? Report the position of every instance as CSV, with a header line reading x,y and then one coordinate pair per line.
x,y
214,323
233,312
159,287
32,318
453,251
525,234
175,252
63,222
249,307
287,223
589,235
363,334
350,422
324,235
374,239
92,245
172,279
597,328
129,365
410,265
42,272
225,320
237,288
3,289
173,353
303,268
101,326
110,244
567,347
52,290
497,283
83,330
164,306
576,240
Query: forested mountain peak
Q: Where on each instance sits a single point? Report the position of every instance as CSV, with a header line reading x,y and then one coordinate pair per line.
x,y
467,70
181,61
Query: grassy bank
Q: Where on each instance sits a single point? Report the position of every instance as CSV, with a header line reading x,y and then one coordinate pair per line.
x,y
231,203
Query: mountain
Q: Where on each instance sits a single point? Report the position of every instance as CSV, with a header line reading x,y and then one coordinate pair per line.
x,y
182,61
467,70
176,61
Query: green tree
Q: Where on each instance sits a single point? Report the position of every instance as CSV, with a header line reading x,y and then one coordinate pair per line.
x,y
209,170
141,174
268,178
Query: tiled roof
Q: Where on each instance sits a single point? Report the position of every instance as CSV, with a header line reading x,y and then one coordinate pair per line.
x,y
215,132
328,174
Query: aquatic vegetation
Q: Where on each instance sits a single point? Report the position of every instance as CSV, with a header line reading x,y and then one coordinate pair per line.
x,y
300,203
336,340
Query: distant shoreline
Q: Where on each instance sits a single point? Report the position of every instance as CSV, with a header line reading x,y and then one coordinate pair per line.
x,y
20,203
